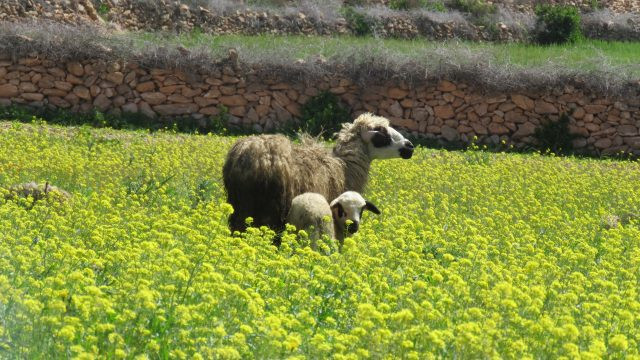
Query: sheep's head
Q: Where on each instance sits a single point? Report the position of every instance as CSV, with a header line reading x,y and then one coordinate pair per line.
x,y
382,141
386,143
349,206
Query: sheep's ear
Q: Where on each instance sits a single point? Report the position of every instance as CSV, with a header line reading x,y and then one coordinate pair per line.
x,y
378,136
369,206
337,209
367,134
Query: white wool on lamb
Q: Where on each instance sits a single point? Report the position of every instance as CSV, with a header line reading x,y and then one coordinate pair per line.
x,y
311,212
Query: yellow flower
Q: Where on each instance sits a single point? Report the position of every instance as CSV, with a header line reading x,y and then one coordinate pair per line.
x,y
292,342
67,333
618,342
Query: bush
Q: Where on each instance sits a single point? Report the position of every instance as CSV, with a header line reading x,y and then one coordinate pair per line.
x,y
555,136
357,21
557,24
323,115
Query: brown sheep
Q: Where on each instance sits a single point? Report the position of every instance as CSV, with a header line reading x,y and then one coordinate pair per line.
x,y
262,174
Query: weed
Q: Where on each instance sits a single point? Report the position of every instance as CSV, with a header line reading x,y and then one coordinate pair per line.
x,y
357,21
323,114
555,136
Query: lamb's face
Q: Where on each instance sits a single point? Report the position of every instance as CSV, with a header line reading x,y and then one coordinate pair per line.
x,y
385,142
349,206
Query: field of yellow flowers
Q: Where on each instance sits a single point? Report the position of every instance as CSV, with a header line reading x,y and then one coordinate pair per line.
x,y
475,255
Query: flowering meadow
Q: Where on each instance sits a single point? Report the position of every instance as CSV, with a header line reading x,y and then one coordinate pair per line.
x,y
475,255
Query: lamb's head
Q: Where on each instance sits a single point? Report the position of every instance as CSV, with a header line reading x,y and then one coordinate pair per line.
x,y
380,139
349,206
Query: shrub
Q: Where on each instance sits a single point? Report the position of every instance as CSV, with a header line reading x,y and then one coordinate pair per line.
x,y
412,4
267,2
475,7
595,5
555,135
357,21
323,115
103,8
557,24
402,4
437,6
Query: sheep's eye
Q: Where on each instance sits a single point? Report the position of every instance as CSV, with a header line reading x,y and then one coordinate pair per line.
x,y
341,212
378,128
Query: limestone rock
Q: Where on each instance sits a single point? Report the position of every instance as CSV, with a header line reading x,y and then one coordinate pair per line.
x,y
233,100
397,93
444,111
154,98
543,107
594,109
498,129
75,68
82,92
603,143
8,91
396,110
449,133
523,102
627,130
446,86
146,87
524,130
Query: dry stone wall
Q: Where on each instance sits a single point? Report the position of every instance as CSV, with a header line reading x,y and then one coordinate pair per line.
x,y
176,16
443,110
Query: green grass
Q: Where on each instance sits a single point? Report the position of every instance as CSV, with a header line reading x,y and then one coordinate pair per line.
x,y
584,55
475,255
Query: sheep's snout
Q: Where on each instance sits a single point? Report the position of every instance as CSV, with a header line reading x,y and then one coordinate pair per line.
x,y
353,227
407,150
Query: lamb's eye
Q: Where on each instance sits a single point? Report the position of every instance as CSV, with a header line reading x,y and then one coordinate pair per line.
x,y
341,212
378,128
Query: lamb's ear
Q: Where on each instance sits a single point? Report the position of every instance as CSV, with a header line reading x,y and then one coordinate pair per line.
x,y
369,206
337,209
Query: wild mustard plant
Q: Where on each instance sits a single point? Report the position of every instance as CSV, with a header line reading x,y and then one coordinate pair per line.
x,y
494,255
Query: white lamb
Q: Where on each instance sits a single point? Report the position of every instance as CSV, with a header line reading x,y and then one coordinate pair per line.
x,y
311,212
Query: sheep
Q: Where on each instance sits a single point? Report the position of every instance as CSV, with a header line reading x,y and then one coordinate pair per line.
x,y
262,174
37,192
311,212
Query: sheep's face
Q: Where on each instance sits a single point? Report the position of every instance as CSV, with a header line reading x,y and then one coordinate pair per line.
x,y
385,142
350,206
